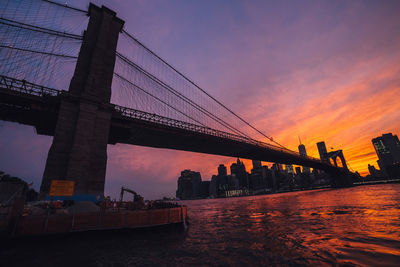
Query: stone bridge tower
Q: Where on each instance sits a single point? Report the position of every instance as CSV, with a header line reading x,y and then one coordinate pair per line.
x,y
79,149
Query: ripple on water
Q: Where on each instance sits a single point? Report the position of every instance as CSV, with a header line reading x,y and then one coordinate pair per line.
x,y
352,226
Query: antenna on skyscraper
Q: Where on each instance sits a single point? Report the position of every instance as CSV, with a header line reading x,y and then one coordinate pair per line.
x,y
299,139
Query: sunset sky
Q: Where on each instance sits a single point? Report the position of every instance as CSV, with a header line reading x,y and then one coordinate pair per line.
x,y
322,70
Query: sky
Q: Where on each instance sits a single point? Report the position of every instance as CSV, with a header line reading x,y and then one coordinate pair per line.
x,y
322,70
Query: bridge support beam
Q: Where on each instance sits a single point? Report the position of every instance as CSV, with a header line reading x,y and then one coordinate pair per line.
x,y
79,148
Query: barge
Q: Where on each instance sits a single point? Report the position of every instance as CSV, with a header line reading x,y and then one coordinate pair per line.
x,y
36,225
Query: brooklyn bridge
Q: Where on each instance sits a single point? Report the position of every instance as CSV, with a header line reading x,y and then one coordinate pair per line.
x,y
81,77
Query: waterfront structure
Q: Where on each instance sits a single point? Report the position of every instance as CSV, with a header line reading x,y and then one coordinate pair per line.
x,y
289,169
387,148
189,185
11,188
322,151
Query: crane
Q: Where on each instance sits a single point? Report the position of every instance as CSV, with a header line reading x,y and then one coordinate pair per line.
x,y
124,189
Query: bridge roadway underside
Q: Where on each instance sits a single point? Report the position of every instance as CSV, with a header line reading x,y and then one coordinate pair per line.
x,y
131,131
42,113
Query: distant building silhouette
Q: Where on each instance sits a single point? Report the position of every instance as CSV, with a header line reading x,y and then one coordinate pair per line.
x,y
233,182
213,186
239,170
260,178
303,152
373,171
222,170
256,164
205,189
289,169
387,148
189,185
322,151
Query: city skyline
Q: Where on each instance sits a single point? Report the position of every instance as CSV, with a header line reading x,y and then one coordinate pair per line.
x,y
352,97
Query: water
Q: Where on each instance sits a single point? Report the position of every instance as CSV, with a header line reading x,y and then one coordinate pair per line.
x,y
357,226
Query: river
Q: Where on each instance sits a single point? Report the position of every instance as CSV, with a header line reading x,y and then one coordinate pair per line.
x,y
358,226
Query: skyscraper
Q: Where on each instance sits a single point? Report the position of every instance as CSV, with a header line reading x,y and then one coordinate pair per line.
x,y
387,148
239,170
189,184
322,150
303,152
256,164
222,170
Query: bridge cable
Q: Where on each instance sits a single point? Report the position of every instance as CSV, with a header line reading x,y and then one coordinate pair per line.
x,y
40,29
198,87
66,6
157,98
182,97
37,52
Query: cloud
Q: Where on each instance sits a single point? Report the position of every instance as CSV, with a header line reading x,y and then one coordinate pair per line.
x,y
327,72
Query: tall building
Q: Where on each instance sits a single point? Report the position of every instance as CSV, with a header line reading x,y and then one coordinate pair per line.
x,y
322,151
387,148
303,152
239,170
189,185
213,186
233,182
205,189
372,171
256,164
258,178
222,170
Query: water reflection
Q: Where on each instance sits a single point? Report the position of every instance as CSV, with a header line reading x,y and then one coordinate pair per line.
x,y
353,226
357,226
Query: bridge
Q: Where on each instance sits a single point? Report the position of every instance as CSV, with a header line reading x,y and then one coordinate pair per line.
x,y
119,92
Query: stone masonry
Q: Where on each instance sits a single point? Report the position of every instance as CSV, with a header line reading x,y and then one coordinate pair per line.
x,y
79,148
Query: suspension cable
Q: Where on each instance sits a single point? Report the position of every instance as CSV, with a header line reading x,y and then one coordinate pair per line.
x,y
40,29
198,87
66,6
157,98
184,98
37,52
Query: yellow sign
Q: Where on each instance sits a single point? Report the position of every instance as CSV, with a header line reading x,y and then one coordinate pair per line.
x,y
61,188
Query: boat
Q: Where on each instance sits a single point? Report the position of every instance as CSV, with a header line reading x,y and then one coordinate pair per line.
x,y
18,224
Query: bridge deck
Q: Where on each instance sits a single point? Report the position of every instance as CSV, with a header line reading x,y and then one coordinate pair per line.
x,y
35,105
